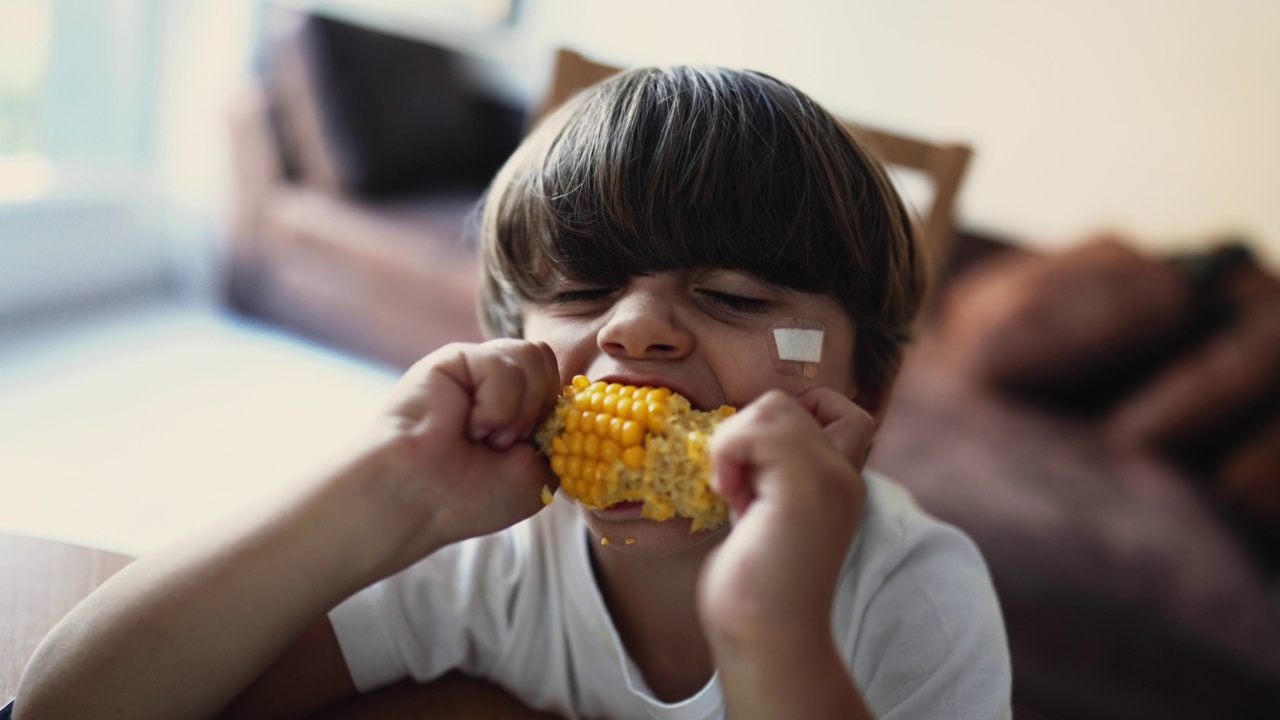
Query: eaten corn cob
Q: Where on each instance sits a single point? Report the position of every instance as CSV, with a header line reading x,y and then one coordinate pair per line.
x,y
612,443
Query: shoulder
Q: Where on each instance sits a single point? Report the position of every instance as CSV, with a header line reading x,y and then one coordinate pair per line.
x,y
902,550
918,616
897,536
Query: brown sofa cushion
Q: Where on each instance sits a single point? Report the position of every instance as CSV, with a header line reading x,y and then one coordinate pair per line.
x,y
1124,592
1077,326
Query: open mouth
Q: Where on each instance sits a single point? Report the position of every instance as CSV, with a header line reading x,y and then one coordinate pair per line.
x,y
622,510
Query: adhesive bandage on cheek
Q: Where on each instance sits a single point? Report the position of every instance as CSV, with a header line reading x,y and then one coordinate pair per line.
x,y
797,346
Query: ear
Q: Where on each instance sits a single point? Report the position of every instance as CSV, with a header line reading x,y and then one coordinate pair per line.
x,y
876,401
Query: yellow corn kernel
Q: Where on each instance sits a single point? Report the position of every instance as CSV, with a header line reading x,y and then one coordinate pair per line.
x,y
600,424
632,434
547,496
640,411
612,443
633,457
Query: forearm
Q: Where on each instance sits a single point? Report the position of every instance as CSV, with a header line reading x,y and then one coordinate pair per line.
x,y
181,632
766,673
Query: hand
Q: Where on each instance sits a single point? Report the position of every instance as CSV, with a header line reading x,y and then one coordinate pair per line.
x,y
453,461
790,469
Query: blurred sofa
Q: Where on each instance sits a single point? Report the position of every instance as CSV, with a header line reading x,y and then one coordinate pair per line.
x,y
359,157
1126,591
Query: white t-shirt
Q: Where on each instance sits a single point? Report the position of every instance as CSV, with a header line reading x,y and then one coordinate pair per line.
x,y
915,618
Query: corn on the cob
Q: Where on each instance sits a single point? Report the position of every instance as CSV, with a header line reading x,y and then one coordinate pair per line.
x,y
611,443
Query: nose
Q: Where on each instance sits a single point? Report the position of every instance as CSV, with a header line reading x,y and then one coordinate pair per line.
x,y
645,324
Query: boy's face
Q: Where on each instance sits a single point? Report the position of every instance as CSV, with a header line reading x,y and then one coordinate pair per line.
x,y
703,333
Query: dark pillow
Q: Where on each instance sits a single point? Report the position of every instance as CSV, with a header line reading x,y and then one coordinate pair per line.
x,y
400,114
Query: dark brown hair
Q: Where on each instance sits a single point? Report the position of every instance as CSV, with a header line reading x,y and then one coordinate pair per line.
x,y
666,168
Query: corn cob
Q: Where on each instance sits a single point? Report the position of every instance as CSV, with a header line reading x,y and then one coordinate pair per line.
x,y
611,443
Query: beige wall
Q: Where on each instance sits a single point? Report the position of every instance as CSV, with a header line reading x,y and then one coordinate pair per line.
x,y
1158,119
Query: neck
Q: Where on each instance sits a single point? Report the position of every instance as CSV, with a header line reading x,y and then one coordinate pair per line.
x,y
653,603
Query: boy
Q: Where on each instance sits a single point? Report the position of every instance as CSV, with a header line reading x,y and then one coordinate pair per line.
x,y
654,231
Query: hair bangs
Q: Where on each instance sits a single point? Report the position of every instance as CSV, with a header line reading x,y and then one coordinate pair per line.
x,y
680,169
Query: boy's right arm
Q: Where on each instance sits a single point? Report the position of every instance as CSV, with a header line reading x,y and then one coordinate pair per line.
x,y
182,632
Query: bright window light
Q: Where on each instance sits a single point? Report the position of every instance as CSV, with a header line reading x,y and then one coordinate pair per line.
x,y
25,36
25,176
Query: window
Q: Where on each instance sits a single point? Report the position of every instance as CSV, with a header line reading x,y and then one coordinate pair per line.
x,y
26,30
77,202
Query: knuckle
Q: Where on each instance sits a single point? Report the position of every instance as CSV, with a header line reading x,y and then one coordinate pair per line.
x,y
772,404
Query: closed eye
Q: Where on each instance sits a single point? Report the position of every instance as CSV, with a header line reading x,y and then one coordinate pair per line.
x,y
568,297
737,303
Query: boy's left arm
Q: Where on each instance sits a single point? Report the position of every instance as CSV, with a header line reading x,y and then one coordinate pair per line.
x,y
790,468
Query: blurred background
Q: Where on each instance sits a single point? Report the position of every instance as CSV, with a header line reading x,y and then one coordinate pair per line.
x,y
1084,115
213,213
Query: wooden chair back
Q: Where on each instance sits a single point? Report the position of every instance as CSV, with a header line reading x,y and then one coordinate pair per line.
x,y
572,73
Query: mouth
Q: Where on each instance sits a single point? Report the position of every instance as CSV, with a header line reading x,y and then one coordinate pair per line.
x,y
620,511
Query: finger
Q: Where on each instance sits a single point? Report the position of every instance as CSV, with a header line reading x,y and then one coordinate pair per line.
x,y
529,473
731,479
755,441
848,425
542,387
551,375
735,449
1207,386
512,482
508,384
734,463
773,452
440,376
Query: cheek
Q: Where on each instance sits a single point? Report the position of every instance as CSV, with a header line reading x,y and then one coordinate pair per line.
x,y
573,343
747,369
536,327
836,371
